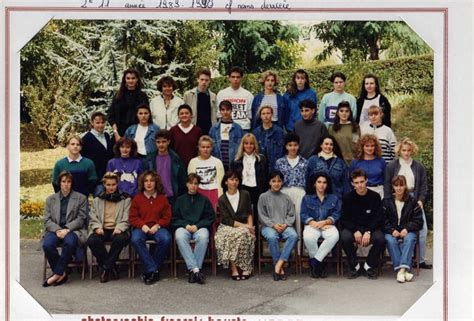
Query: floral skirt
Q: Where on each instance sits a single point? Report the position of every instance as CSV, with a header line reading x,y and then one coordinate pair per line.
x,y
235,244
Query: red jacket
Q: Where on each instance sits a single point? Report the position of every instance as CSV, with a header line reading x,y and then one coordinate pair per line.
x,y
149,212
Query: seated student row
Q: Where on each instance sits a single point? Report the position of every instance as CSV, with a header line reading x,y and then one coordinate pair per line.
x,y
150,216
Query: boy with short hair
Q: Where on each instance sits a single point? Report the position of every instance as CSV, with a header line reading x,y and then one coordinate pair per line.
x,y
330,101
226,135
169,166
202,101
309,129
185,135
384,133
240,98
97,146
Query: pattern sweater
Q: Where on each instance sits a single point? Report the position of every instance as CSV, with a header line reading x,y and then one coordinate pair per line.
x,y
293,176
128,170
385,136
327,108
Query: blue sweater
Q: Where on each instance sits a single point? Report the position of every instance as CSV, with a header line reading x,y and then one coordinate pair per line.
x,y
375,170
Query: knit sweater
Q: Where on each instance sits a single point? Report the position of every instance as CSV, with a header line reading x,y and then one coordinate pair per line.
x,y
275,208
374,169
362,212
149,211
328,106
185,144
346,139
83,173
128,170
193,210
310,133
385,136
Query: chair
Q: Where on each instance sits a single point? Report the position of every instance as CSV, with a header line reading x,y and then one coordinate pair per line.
x,y
135,261
120,261
265,257
210,253
79,260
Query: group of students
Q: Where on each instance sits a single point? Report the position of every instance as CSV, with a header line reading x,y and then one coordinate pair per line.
x,y
172,163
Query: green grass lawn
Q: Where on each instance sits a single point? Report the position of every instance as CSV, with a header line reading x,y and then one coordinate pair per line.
x,y
31,229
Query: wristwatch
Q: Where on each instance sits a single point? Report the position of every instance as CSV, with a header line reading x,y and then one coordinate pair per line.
x,y
368,232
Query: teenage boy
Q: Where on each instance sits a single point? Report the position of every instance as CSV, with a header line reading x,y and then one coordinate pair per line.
x,y
361,224
98,147
203,102
240,98
328,106
82,169
169,166
226,135
185,135
193,216
309,129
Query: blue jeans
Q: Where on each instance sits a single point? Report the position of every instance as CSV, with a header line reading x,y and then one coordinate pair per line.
x,y
201,237
273,239
58,262
423,235
401,250
151,262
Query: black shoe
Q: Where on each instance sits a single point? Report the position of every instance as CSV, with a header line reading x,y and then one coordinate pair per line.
x,y
353,273
426,266
371,274
276,276
322,271
191,277
148,278
315,271
104,276
199,277
64,280
156,276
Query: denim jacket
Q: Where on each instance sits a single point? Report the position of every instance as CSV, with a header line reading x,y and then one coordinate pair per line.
x,y
270,144
281,107
150,145
337,171
313,209
235,135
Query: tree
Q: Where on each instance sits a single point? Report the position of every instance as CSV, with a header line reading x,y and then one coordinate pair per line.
x,y
256,45
366,40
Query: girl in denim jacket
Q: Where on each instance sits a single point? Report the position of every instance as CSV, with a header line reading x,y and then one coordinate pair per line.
x,y
320,211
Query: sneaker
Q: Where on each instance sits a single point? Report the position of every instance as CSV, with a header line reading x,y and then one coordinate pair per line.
x,y
199,278
408,276
371,274
401,276
191,277
353,273
426,266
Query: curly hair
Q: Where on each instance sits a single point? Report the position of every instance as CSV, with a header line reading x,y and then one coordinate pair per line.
x,y
363,140
409,142
166,80
154,175
125,141
267,74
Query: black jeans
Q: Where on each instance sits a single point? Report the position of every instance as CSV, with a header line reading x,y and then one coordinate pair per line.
x,y
96,243
377,240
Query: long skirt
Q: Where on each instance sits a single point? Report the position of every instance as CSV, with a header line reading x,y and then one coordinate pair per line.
x,y
235,244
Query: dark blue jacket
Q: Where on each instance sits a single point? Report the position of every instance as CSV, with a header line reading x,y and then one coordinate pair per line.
x,y
293,105
93,149
281,106
235,135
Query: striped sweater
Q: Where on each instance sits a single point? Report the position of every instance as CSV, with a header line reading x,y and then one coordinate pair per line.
x,y
385,136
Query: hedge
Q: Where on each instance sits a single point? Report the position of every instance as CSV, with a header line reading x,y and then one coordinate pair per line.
x,y
402,75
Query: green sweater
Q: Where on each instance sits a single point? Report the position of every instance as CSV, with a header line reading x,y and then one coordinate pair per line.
x,y
193,210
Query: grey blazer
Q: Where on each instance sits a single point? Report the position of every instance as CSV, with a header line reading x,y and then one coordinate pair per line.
x,y
121,214
76,217
190,98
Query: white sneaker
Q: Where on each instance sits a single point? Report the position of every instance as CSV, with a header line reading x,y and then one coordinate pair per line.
x,y
408,276
401,277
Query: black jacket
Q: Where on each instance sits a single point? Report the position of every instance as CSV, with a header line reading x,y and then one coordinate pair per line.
x,y
411,218
123,110
261,171
384,104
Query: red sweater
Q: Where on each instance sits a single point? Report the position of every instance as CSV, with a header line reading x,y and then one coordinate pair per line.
x,y
185,145
144,211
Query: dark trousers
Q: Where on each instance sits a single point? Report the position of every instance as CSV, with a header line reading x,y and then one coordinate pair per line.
x,y
151,261
254,195
56,261
377,240
96,243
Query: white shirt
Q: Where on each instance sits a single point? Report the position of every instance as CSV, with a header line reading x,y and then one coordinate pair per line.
x,y
293,162
234,200
271,100
165,116
405,170
225,130
100,137
248,172
364,114
140,139
399,205
185,129
241,100
207,171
